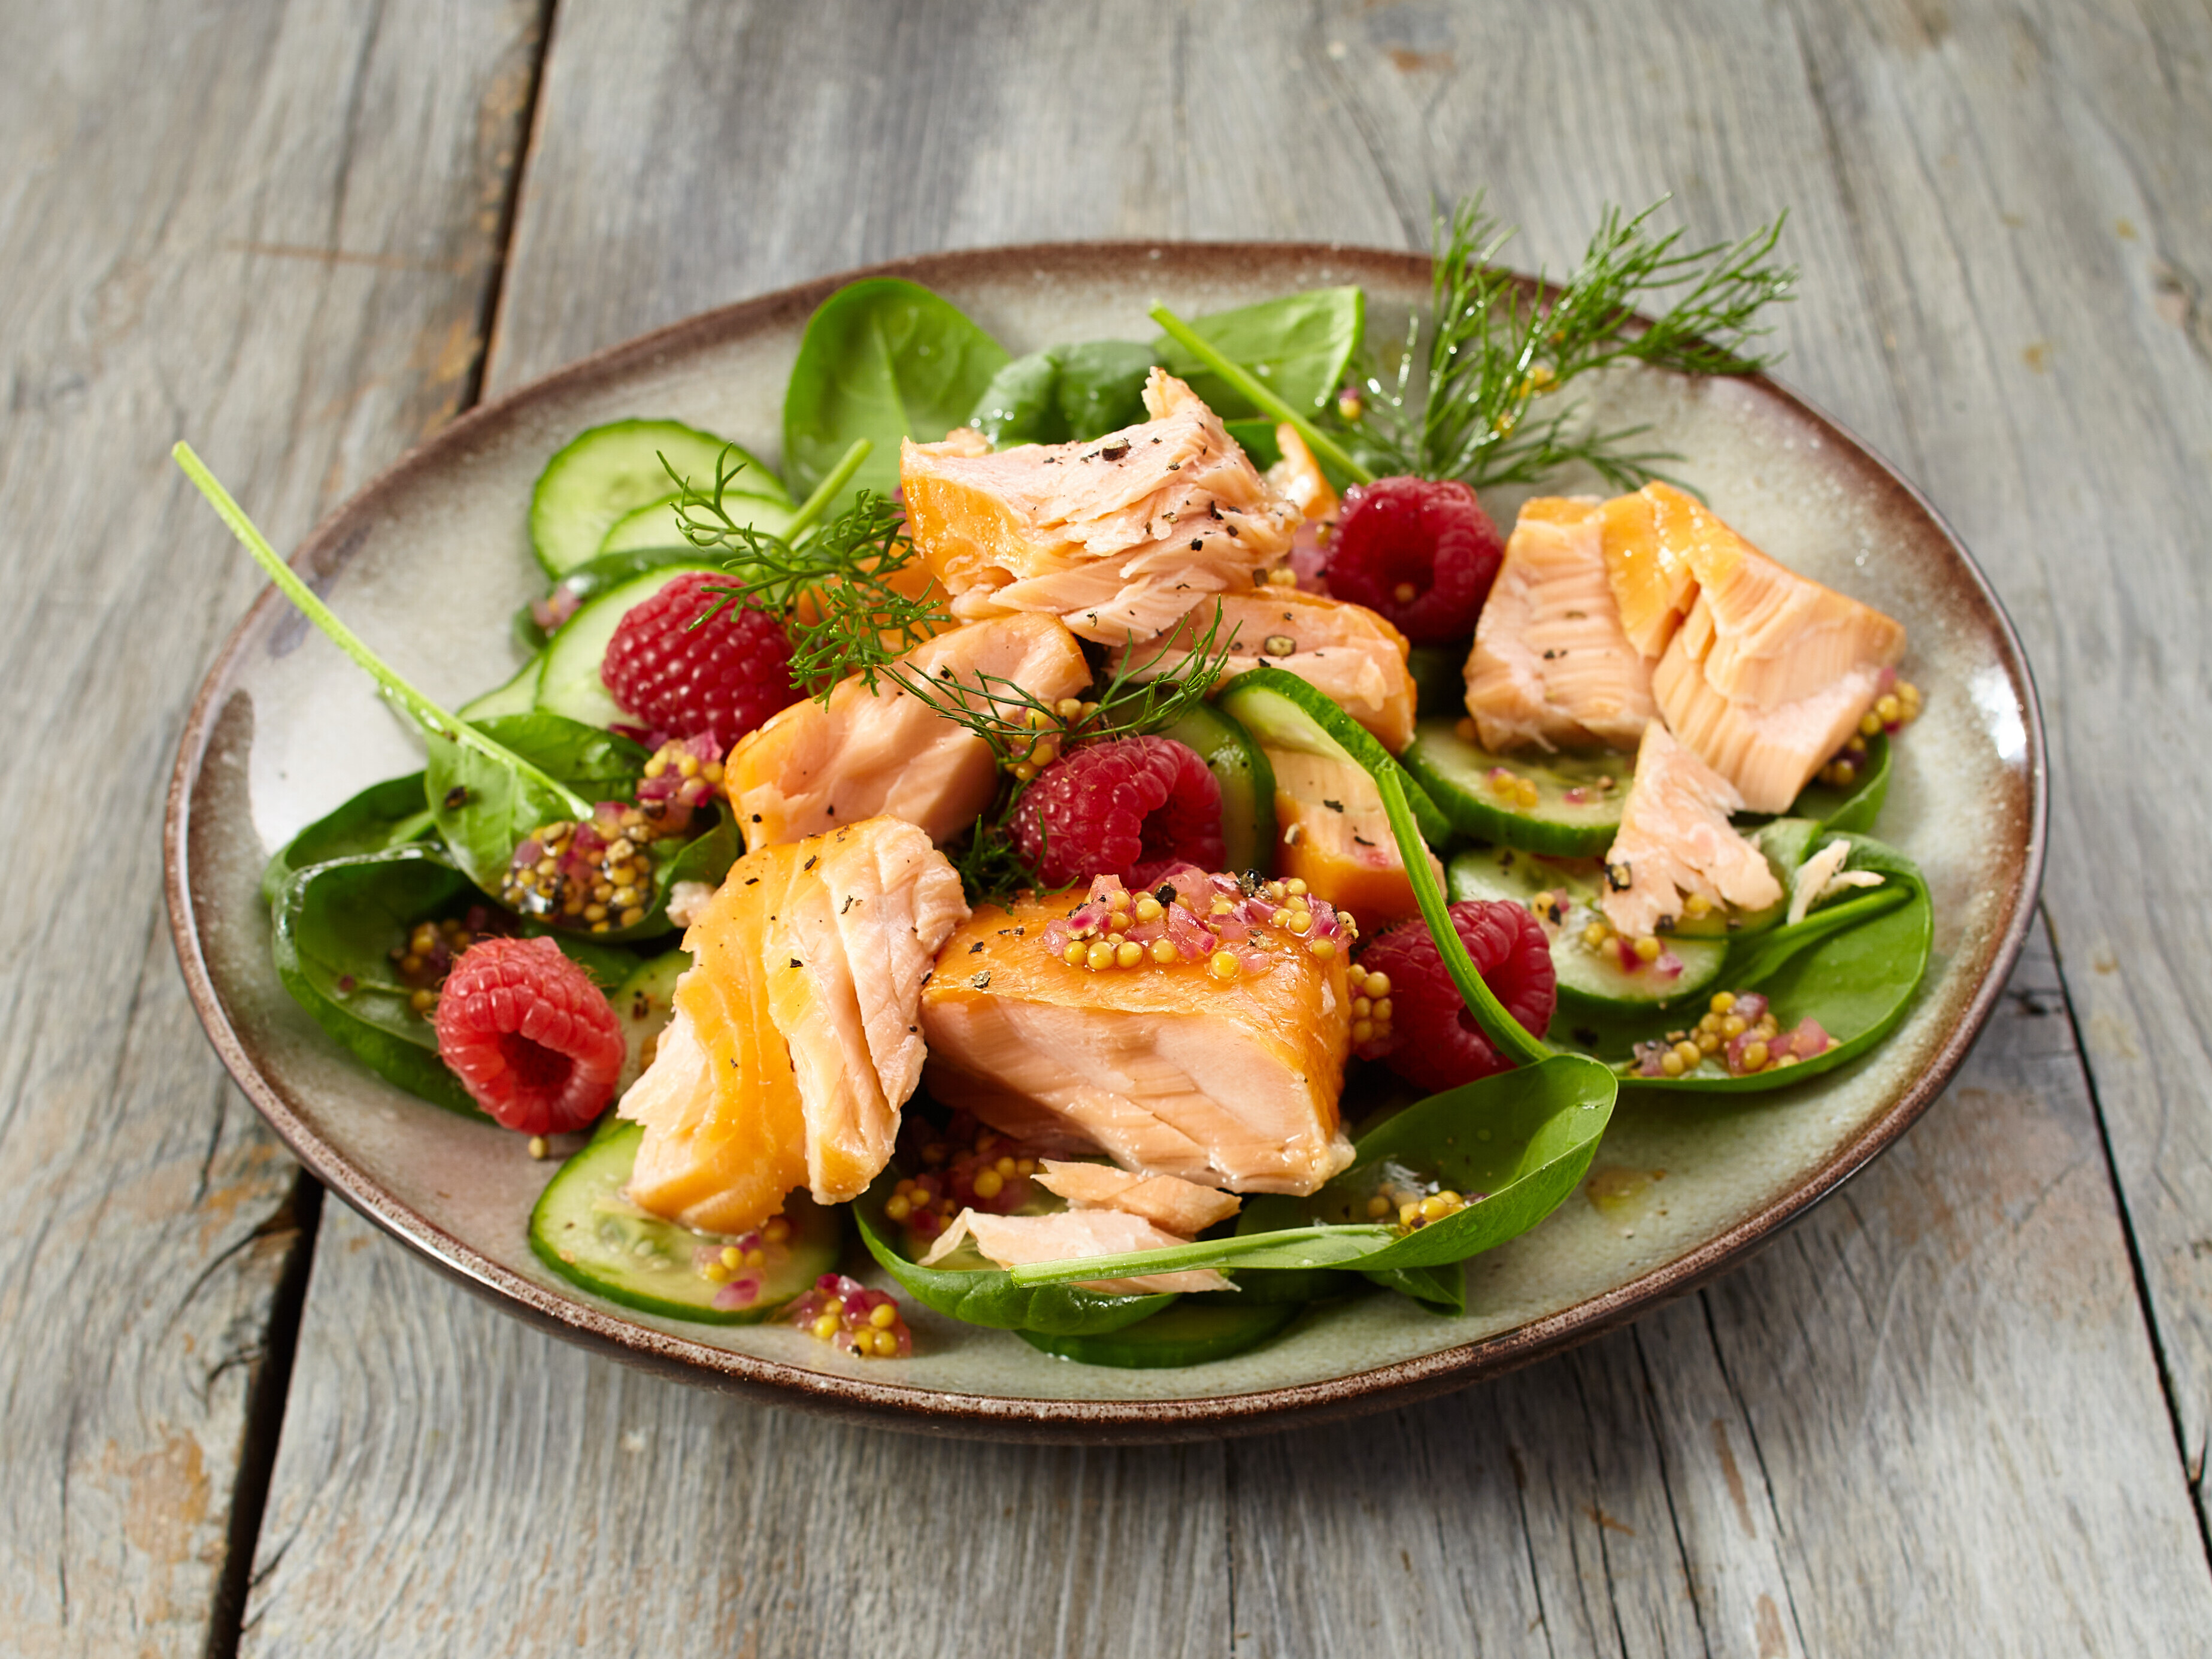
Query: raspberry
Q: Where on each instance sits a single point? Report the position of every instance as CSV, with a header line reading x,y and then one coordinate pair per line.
x,y
1432,1041
1135,807
530,1037
1422,554
718,681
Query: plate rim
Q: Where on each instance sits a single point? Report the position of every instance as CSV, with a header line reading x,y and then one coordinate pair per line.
x,y
322,552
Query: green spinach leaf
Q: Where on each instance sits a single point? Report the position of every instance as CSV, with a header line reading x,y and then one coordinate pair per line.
x,y
336,924
989,1296
883,359
1515,1144
1297,346
1065,393
484,811
1854,965
1853,807
384,815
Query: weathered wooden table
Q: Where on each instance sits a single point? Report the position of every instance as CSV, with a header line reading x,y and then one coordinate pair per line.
x,y
1962,1409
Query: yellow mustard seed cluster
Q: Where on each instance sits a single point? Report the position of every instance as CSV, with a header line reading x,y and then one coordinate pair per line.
x,y
753,1250
1051,731
1720,1025
1414,1210
1515,790
1101,945
1371,1006
427,958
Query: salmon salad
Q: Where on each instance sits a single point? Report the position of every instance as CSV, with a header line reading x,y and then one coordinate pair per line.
x,y
1131,846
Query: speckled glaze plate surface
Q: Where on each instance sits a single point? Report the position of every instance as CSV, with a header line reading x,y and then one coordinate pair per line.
x,y
428,561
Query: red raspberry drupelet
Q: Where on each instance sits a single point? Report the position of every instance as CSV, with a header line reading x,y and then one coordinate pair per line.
x,y
531,1037
717,681
1432,1041
1135,807
1421,554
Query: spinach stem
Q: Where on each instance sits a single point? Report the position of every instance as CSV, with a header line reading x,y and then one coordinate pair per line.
x,y
1320,442
426,713
1500,1027
827,490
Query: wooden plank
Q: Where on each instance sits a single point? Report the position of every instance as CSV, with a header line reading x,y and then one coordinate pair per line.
x,y
272,228
2028,186
1594,1501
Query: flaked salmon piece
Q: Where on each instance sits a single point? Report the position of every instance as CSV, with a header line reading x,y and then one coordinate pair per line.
x,y
795,1039
1167,1201
1343,649
1550,667
1767,636
1646,538
1015,1240
1769,755
1117,535
816,765
1332,834
1675,841
1165,1068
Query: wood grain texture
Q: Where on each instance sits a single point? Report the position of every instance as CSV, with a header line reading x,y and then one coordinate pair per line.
x,y
2029,190
271,227
1929,1421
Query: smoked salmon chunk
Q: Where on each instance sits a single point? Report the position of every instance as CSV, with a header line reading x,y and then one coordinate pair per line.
x,y
1764,672
1169,1068
1550,667
1343,649
1675,841
795,1040
815,765
1015,1240
1118,536
1166,1201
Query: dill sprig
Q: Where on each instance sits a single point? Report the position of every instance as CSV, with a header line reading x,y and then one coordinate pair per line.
x,y
1496,354
837,589
991,868
1131,702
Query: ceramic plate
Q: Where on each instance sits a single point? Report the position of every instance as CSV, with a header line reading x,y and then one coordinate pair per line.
x,y
428,561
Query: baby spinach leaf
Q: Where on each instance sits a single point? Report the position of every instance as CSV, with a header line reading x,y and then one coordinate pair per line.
x,y
1256,438
1515,1144
1854,965
1296,346
989,1296
387,814
336,924
1191,1333
1065,393
883,359
484,811
1441,1290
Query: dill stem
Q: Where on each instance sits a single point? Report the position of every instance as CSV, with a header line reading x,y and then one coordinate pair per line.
x,y
426,713
1500,1027
1320,442
827,490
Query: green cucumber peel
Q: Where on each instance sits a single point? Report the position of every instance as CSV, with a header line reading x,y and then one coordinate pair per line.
x,y
381,816
1520,1138
992,1297
1261,396
433,720
1500,1027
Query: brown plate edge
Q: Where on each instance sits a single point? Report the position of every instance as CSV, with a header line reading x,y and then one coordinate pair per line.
x,y
1071,1421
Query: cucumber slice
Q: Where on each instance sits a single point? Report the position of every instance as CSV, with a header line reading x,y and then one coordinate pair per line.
x,y
570,684
518,696
1282,711
608,471
594,577
1590,977
1247,783
1577,814
587,1232
1188,1334
643,1004
656,527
